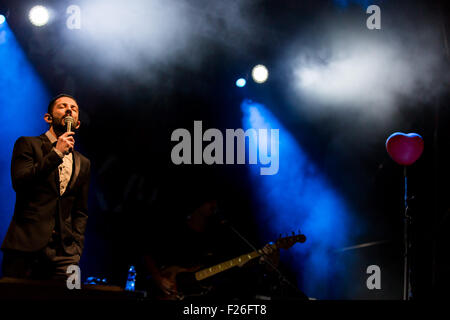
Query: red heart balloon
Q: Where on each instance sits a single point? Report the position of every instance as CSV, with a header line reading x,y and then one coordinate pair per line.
x,y
403,148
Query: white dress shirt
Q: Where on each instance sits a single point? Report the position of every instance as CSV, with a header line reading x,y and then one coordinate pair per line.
x,y
65,168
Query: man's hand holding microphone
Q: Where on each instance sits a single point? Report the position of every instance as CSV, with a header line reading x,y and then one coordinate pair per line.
x,y
66,141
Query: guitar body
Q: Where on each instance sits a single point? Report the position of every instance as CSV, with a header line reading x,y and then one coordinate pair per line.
x,y
190,282
186,284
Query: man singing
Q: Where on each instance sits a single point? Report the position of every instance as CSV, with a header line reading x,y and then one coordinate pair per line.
x,y
51,181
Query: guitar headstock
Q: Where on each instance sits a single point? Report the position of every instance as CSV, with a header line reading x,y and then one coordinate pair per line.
x,y
289,241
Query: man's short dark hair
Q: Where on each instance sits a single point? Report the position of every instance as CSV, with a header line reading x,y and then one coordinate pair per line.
x,y
52,102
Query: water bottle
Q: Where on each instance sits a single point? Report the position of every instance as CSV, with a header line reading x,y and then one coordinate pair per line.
x,y
131,280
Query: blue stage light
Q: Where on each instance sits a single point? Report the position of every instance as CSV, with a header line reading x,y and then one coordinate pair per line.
x,y
300,197
2,19
241,82
346,3
23,101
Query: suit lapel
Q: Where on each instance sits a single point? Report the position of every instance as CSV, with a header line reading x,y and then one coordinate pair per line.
x,y
76,169
46,148
46,144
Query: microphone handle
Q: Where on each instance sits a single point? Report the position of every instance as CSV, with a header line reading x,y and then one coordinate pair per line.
x,y
69,128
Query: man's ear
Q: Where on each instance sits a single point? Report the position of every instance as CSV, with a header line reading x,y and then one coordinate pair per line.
x,y
78,125
48,118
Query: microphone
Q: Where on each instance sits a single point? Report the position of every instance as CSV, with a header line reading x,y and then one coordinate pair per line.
x,y
68,120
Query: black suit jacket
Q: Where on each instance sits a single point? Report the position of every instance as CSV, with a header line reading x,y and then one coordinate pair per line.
x,y
35,178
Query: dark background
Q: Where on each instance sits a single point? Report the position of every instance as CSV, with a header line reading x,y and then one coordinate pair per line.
x,y
126,134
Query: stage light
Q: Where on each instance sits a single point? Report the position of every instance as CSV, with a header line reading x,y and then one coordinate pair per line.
x,y
39,16
299,195
241,82
260,73
19,81
4,13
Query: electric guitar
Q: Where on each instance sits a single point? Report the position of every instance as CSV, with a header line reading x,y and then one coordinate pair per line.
x,y
189,280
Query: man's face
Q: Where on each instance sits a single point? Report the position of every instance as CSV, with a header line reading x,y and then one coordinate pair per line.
x,y
63,107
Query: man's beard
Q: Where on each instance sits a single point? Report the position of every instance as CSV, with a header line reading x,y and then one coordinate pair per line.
x,y
58,126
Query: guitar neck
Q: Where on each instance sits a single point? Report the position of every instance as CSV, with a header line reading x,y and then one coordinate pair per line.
x,y
208,272
284,243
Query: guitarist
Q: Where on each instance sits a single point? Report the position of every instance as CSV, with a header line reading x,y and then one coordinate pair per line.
x,y
202,241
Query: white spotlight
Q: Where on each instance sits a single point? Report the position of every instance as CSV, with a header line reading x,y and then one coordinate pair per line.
x,y
260,73
39,16
241,82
